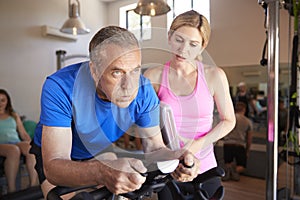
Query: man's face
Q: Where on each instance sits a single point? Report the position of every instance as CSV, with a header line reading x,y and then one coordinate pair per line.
x,y
119,80
242,88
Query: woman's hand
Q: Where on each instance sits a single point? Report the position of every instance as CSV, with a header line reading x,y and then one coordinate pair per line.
x,y
188,168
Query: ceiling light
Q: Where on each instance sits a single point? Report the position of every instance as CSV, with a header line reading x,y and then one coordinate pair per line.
x,y
74,24
152,7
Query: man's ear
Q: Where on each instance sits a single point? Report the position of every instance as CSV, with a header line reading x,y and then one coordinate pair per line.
x,y
94,71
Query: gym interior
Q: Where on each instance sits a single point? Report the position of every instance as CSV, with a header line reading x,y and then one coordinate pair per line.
x,y
30,42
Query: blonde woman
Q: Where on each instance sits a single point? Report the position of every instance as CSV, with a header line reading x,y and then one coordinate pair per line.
x,y
192,89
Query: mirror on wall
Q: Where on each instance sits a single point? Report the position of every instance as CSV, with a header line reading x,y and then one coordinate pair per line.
x,y
256,77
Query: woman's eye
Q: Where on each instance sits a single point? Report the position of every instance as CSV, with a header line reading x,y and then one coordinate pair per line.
x,y
179,40
194,44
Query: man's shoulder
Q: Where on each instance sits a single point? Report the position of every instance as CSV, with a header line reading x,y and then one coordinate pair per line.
x,y
63,80
146,90
68,71
242,117
67,75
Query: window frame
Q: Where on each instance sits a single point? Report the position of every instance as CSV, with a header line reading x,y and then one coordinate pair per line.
x,y
172,3
142,32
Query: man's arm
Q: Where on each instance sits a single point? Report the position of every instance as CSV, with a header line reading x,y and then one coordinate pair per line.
x,y
58,167
61,170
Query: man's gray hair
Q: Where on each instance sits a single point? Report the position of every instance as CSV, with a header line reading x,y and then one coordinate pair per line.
x,y
110,35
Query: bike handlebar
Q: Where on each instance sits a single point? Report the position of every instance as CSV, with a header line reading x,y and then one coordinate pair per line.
x,y
156,179
155,182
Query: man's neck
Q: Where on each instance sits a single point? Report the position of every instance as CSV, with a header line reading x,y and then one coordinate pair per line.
x,y
102,95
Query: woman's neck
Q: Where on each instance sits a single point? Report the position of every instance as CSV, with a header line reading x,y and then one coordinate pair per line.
x,y
2,112
3,115
183,68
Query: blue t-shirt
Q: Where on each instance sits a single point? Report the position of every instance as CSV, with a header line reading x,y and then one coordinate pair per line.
x,y
69,99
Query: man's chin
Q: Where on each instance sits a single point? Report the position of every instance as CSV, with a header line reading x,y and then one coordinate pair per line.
x,y
122,104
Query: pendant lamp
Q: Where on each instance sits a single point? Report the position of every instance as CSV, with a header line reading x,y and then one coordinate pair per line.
x,y
74,24
152,7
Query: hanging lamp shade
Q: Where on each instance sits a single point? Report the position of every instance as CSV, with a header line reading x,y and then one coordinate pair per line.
x,y
74,24
152,7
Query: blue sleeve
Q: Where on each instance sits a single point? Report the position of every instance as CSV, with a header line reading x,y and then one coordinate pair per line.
x,y
56,105
150,109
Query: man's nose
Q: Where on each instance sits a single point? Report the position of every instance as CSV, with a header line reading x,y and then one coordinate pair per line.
x,y
127,81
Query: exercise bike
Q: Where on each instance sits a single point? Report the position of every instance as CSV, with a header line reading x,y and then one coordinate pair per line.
x,y
157,177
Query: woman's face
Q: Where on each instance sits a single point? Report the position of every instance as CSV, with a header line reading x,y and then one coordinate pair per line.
x,y
3,102
186,43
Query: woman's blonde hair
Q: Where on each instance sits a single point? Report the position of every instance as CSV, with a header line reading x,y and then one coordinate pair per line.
x,y
193,19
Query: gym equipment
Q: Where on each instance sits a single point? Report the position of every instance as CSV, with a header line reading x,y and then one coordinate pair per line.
x,y
168,127
26,194
156,180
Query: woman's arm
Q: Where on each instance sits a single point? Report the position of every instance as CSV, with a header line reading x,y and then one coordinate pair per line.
x,y
156,150
21,129
218,85
154,74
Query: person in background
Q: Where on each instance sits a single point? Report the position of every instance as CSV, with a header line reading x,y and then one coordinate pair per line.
x,y
237,144
14,142
192,88
242,95
259,103
85,107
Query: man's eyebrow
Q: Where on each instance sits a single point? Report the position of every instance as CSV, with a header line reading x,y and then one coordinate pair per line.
x,y
139,66
115,68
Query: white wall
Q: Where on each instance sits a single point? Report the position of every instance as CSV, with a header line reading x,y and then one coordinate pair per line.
x,y
238,32
237,39
26,57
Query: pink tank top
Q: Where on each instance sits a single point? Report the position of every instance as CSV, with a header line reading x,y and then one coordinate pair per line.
x,y
193,113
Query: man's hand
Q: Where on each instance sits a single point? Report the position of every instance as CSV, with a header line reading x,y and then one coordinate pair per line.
x,y
123,175
188,168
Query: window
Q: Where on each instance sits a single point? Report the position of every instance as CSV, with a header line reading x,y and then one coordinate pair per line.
x,y
180,6
139,25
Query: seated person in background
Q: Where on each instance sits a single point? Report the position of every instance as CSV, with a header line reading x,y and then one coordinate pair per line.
x,y
237,144
87,106
261,98
14,141
259,105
